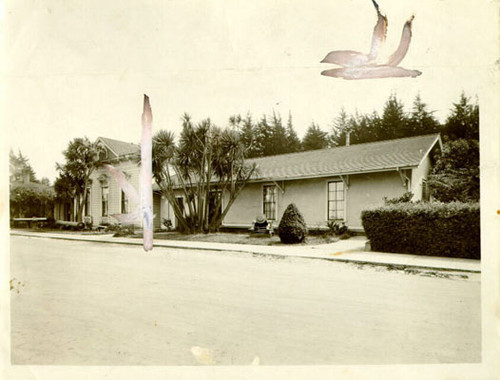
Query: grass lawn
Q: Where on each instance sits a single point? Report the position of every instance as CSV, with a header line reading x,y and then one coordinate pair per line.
x,y
216,237
240,238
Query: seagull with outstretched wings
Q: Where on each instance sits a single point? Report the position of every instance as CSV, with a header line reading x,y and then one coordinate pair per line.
x,y
357,65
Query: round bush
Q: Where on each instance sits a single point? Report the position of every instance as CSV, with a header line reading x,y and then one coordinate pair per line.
x,y
292,228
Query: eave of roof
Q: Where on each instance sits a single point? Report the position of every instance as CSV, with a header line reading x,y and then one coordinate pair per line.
x,y
380,156
346,160
120,148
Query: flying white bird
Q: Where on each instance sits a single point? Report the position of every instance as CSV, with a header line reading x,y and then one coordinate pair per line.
x,y
357,65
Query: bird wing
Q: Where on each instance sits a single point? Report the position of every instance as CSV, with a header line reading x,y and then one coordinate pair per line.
x,y
379,33
371,72
335,73
346,58
404,44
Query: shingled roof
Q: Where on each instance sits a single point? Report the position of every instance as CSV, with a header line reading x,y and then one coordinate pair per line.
x,y
358,158
120,148
354,159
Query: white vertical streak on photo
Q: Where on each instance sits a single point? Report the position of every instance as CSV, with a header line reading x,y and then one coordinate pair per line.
x,y
146,177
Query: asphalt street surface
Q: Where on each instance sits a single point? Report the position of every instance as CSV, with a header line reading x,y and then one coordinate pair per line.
x,y
81,303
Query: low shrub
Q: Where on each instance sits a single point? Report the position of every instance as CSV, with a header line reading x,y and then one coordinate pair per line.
x,y
50,223
167,223
430,229
122,231
405,198
292,228
337,228
346,235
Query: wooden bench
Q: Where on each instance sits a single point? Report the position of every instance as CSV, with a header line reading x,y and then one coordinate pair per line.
x,y
34,219
67,224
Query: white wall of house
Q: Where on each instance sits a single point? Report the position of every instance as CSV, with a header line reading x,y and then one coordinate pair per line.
x,y
166,211
368,190
311,198
245,207
419,174
157,221
131,169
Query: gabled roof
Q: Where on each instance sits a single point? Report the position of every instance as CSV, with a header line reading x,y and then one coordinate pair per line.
x,y
120,148
358,158
354,159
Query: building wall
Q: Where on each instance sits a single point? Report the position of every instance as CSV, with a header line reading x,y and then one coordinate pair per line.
x,y
167,211
419,174
311,198
246,206
157,221
115,194
369,190
114,198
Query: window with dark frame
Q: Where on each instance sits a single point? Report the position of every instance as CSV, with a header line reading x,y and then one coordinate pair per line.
x,y
180,203
336,200
105,195
426,194
103,155
87,202
124,205
269,199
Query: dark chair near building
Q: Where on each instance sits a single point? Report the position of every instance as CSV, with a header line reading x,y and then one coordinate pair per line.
x,y
88,221
262,226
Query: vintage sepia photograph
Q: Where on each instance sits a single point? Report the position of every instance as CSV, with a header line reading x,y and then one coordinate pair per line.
x,y
250,189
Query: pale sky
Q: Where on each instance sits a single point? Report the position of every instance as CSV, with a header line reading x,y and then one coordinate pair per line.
x,y
80,68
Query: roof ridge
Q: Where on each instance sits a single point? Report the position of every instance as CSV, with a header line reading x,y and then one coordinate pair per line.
x,y
346,146
120,141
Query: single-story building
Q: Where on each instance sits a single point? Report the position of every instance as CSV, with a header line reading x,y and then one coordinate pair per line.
x,y
334,183
326,185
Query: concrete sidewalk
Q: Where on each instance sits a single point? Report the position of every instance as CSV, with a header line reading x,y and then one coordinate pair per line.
x,y
350,250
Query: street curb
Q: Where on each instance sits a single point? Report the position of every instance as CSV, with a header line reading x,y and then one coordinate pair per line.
x,y
373,263
262,254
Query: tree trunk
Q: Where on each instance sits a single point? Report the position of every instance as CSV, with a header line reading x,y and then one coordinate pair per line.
x,y
233,194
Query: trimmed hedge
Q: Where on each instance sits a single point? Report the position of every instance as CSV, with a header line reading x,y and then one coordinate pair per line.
x,y
292,228
428,229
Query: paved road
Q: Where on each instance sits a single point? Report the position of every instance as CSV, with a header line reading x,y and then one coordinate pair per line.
x,y
79,303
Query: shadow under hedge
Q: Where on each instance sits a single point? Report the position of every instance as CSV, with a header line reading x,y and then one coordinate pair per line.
x,y
428,229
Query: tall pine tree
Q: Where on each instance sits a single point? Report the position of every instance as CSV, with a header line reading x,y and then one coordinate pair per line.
x,y
394,121
292,140
463,123
421,120
315,138
455,176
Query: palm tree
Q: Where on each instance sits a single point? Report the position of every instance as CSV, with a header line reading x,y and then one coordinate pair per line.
x,y
206,161
82,158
